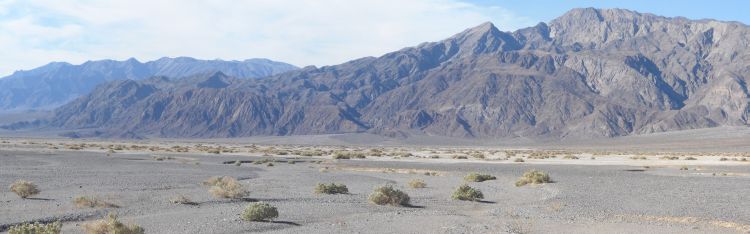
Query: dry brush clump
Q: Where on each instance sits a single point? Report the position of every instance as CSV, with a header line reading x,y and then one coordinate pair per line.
x,y
417,183
225,187
467,193
36,228
110,225
331,188
259,211
570,157
92,202
476,177
533,177
387,195
348,154
182,199
24,189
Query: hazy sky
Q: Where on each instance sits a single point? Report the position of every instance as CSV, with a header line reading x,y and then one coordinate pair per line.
x,y
302,32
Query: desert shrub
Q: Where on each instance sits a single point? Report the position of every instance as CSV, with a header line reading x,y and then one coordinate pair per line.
x,y
341,156
430,173
225,187
690,158
348,155
460,157
518,160
36,228
533,177
467,193
417,183
669,157
723,159
259,211
181,199
683,168
476,177
570,157
478,155
387,195
262,161
92,202
331,188
24,188
269,165
110,225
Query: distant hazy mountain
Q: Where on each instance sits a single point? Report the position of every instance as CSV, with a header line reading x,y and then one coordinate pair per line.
x,y
57,83
588,73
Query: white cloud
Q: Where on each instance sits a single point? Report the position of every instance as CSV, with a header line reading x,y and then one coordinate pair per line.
x,y
303,32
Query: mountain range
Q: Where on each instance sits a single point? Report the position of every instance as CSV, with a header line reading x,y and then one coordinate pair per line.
x,y
57,83
588,73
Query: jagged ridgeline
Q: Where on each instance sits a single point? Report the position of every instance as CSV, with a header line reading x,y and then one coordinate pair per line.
x,y
57,83
588,73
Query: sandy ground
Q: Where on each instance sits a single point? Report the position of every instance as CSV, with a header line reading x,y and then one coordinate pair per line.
x,y
600,192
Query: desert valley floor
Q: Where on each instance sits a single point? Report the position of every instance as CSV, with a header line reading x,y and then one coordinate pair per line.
x,y
592,191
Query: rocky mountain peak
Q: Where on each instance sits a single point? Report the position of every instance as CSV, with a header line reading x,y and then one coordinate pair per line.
x,y
484,38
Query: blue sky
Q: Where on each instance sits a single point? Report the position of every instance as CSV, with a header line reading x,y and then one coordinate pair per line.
x,y
301,32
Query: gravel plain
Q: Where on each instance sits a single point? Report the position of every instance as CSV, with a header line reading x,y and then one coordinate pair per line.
x,y
587,196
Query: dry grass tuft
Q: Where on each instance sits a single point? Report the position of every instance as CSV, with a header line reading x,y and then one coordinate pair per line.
x,y
92,202
24,188
110,225
182,199
533,177
225,187
417,183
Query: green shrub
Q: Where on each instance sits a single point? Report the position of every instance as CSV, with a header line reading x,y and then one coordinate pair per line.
x,y
110,225
225,187
331,188
467,193
533,177
36,228
259,211
417,183
387,195
24,188
476,177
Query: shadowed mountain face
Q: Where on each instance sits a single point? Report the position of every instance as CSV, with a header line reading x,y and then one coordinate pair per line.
x,y
58,83
588,73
